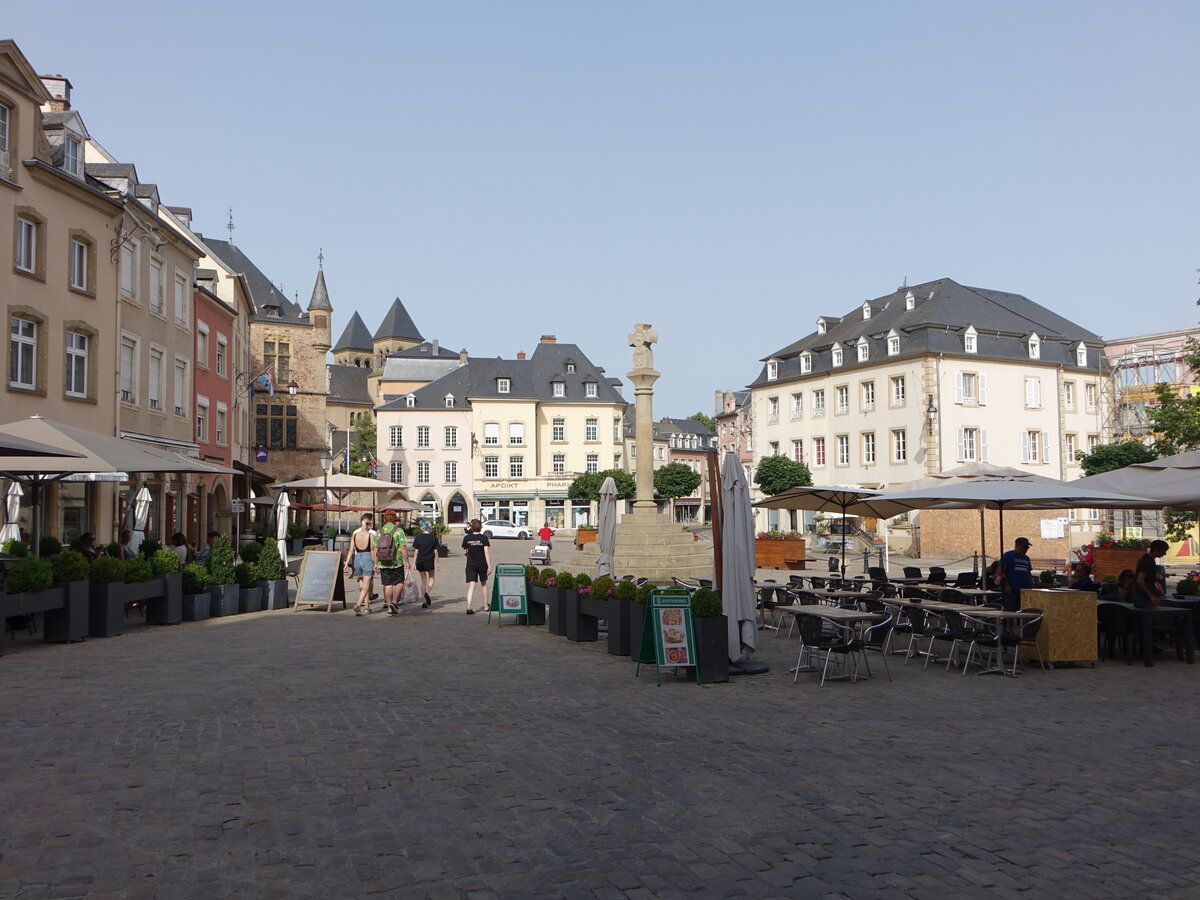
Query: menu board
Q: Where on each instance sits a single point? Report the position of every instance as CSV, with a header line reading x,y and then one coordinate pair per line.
x,y
321,580
508,591
668,624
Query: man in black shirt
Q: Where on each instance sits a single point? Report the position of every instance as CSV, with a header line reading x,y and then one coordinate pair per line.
x,y
425,546
479,560
1146,589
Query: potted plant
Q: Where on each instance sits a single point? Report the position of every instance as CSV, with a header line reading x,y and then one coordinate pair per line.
x,y
542,591
68,622
440,530
251,552
581,624
149,547
106,602
640,649
223,581
779,550
167,608
1046,577
271,576
295,538
30,587
1111,555
49,546
624,594
197,601
1187,587
564,592
585,534
16,548
249,593
710,628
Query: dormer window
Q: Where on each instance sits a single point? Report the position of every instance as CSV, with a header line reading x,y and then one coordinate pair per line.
x,y
864,350
805,363
837,355
893,342
772,370
71,147
589,389
410,401
821,326
910,300
449,401
570,366
503,385
1081,355
558,389
970,340
866,309
1035,347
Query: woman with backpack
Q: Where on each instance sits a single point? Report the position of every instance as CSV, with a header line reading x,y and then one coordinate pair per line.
x,y
391,548
360,562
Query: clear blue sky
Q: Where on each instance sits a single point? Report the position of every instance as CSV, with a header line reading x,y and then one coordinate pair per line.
x,y
725,171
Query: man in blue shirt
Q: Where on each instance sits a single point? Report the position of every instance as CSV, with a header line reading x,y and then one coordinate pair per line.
x,y
1015,571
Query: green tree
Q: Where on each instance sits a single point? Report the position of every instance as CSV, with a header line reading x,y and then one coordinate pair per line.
x,y
776,474
362,444
706,421
587,487
1176,424
1108,457
675,480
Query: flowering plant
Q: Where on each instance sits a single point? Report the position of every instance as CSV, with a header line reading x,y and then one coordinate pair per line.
x,y
1105,541
777,535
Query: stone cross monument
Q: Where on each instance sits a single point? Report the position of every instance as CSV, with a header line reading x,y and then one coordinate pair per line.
x,y
643,376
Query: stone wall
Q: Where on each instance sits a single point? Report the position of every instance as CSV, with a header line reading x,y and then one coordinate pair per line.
x,y
954,533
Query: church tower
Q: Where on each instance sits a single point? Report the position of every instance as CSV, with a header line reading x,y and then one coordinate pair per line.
x,y
354,348
397,332
320,310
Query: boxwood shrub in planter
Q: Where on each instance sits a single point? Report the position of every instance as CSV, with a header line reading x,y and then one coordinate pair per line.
x,y
542,590
106,599
564,588
29,585
196,598
167,608
224,587
271,578
711,630
249,593
624,593
49,546
16,548
68,622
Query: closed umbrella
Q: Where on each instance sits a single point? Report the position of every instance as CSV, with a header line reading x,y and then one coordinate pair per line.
x,y
737,564
282,505
137,515
606,536
12,513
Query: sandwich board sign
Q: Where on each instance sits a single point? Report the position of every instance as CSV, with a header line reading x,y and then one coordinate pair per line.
x,y
667,632
508,592
321,581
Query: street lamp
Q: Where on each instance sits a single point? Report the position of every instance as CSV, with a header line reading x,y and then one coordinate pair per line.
x,y
326,460
931,412
292,388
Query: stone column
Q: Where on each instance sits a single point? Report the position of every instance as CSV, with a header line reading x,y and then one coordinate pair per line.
x,y
643,377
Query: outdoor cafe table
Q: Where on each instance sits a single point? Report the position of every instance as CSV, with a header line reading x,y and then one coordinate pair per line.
x,y
976,612
966,592
1178,616
852,617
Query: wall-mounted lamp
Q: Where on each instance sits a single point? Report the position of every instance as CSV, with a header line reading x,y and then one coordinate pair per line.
x,y
931,412
292,388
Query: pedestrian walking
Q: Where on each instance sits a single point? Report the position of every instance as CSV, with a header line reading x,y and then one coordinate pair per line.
x,y
360,561
391,552
425,546
479,560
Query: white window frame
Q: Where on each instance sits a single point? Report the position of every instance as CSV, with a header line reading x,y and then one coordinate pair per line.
x,y
1068,396
424,438
182,307
1035,347
1089,395
202,345
868,448
395,437
156,363
1033,447
1033,393
396,471
818,404
558,463
841,394
503,385
864,350
558,429
898,390
79,264
590,390
772,370
450,437
516,467
22,349
868,395
819,452
181,387
805,363
893,343
221,425
843,449
591,463
491,466
797,405
558,389
26,249
591,430
899,445
424,472
77,363
1071,447
71,154
516,434
222,354
971,341
450,472
1081,356
127,375
201,419
772,409
491,434
798,450
157,289
836,356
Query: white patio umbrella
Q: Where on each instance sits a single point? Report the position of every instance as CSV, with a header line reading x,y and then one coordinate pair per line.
x,y
1171,480
737,561
606,536
137,515
282,505
12,513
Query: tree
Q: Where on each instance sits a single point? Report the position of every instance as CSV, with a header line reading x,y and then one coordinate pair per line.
x,y
1176,423
706,421
675,480
776,474
362,445
587,487
1108,457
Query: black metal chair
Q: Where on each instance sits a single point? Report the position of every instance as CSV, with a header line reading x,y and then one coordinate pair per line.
x,y
918,628
877,574
826,640
1118,630
1026,637
937,575
879,636
966,580
913,572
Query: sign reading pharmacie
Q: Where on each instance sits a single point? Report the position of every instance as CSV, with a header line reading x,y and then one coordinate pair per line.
x,y
523,487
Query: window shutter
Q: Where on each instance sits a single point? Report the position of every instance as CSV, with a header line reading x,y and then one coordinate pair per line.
x,y
1024,446
958,440
958,391
1045,450
983,450
982,390
1035,385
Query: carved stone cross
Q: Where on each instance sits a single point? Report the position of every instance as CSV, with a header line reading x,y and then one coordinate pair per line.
x,y
642,340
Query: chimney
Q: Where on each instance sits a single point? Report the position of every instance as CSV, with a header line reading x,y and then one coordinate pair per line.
x,y
462,356
520,354
548,339
433,347
60,92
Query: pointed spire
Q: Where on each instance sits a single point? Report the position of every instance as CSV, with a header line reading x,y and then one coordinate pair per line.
x,y
355,337
320,294
398,324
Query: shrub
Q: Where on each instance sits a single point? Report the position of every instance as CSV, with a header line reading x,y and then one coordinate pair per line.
x,y
16,548
106,570
1187,587
583,579
195,579
625,590
244,574
1046,576
643,593
138,570
149,547
1109,579
28,576
48,546
252,552
546,577
313,547
70,565
295,530
531,573
220,562
113,549
565,581
165,562
706,604
603,587
270,565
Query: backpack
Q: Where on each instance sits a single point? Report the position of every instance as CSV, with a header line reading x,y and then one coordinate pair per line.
x,y
385,548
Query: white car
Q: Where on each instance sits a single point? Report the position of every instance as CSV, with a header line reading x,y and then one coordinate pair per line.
x,y
502,528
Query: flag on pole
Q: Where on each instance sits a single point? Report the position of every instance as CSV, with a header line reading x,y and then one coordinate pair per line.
x,y
346,460
266,381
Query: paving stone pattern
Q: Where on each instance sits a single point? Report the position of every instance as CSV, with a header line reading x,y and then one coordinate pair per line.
x,y
303,754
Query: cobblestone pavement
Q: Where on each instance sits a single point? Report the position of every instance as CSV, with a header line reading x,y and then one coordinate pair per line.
x,y
302,754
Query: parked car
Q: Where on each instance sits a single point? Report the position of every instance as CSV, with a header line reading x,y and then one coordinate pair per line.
x,y
502,528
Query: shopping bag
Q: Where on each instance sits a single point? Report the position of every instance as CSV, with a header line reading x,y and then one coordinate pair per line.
x,y
410,594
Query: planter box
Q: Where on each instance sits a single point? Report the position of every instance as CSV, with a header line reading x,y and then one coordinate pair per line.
x,y
712,648
443,551
556,611
223,600
540,599
274,594
68,622
250,600
776,553
585,536
295,546
637,621
106,609
618,627
1111,562
578,627
196,606
537,611
167,607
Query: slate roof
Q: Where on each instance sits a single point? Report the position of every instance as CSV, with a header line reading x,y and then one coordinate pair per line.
x,y
355,336
320,294
530,379
432,350
942,312
398,324
111,170
691,426
262,292
348,384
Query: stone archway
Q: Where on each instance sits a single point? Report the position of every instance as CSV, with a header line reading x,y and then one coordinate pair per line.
x,y
433,508
219,518
456,509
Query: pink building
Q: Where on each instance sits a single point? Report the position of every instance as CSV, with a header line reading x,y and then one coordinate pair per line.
x,y
208,503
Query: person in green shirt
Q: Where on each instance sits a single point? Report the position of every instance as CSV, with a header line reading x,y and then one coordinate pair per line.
x,y
391,553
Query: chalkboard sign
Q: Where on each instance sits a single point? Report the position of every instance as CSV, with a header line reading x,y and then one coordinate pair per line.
x,y
508,592
667,628
321,581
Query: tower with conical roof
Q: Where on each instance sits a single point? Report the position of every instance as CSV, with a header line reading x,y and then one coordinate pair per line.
x,y
320,310
354,347
396,332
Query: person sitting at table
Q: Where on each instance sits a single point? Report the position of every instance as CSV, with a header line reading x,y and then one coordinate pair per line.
x,y
1147,587
87,546
991,577
205,555
125,548
1083,580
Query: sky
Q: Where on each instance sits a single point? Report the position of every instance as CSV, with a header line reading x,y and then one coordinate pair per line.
x,y
724,171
